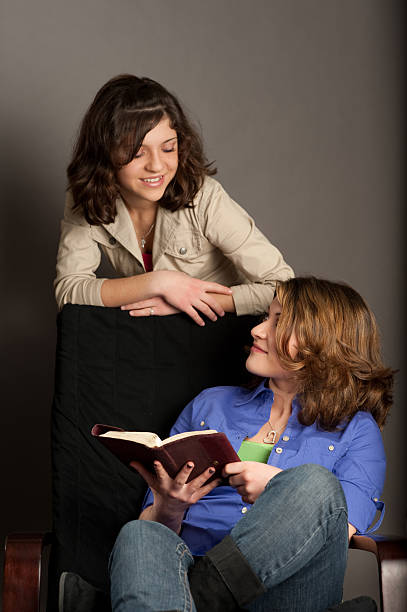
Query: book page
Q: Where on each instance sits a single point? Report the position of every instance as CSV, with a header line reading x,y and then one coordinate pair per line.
x,y
151,439
142,437
187,434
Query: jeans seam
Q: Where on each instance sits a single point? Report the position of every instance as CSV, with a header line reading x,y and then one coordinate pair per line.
x,y
183,551
335,514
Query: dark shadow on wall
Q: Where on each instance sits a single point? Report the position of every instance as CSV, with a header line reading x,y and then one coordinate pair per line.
x,y
28,312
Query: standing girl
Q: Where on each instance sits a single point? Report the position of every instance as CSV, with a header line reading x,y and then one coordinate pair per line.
x,y
140,190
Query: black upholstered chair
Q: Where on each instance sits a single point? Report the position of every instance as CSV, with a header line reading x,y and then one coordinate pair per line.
x,y
137,374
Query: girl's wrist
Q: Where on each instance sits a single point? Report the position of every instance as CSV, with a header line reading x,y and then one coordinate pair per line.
x,y
158,282
171,517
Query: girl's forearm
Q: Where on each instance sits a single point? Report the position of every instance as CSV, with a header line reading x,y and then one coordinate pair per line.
x,y
119,291
226,301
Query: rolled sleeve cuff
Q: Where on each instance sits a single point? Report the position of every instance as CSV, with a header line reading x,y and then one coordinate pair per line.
x,y
252,298
362,508
83,292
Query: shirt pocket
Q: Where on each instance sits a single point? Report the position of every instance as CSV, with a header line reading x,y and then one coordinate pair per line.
x,y
323,451
188,245
286,455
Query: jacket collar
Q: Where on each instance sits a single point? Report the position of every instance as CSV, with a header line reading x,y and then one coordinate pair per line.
x,y
122,230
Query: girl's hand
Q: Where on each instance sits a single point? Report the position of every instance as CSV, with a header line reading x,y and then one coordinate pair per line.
x,y
156,306
190,294
249,478
173,496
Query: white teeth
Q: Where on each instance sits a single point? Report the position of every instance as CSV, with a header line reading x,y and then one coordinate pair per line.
x,y
152,180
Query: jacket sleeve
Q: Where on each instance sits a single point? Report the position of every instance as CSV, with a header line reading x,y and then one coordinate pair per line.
x,y
361,472
229,227
77,261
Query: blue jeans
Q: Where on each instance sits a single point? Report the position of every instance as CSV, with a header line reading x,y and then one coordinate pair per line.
x,y
295,539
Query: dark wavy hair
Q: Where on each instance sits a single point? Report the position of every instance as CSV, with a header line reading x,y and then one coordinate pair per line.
x,y
111,133
338,367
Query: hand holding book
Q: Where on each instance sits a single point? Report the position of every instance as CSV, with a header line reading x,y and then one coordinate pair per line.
x,y
173,496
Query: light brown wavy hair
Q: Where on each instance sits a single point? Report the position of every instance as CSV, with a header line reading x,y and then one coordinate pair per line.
x,y
111,133
338,367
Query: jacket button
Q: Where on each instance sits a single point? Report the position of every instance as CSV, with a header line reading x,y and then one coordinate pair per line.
x,y
279,450
182,251
112,240
286,438
244,510
331,447
202,423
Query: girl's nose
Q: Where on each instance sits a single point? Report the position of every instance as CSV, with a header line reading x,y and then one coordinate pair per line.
x,y
259,331
154,162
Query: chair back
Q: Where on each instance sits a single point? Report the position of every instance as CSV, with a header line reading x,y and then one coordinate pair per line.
x,y
135,373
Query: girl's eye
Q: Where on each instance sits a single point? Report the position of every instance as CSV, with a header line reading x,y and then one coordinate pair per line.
x,y
171,150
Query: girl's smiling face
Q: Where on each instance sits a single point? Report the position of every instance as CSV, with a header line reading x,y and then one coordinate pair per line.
x,y
263,359
145,179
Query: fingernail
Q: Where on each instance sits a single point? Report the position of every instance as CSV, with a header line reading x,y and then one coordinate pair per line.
x,y
190,465
211,470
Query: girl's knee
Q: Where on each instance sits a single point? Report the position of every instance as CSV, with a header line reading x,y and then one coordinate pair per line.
x,y
320,481
139,533
311,483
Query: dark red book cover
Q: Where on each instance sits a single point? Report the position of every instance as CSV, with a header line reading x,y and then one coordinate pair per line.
x,y
205,450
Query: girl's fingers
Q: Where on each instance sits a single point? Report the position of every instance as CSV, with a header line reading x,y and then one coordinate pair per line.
x,y
148,477
202,478
204,308
213,304
233,468
184,473
142,312
160,471
209,487
194,316
217,288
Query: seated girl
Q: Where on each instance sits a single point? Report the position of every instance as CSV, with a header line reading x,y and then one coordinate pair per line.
x,y
275,537
141,191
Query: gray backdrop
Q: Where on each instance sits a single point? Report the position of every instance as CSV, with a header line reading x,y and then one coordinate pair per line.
x,y
301,106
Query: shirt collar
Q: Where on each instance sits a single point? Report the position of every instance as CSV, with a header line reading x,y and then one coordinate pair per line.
x,y
262,388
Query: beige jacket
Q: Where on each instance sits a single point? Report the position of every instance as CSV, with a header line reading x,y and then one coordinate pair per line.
x,y
215,240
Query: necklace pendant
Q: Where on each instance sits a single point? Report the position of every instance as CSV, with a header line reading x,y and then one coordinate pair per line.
x,y
270,437
143,243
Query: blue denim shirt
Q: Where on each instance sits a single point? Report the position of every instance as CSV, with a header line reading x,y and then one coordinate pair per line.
x,y
355,454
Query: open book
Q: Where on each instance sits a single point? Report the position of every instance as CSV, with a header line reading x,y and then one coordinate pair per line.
x,y
205,448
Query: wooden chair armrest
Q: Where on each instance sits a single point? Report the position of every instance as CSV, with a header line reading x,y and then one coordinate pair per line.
x,y
391,555
25,577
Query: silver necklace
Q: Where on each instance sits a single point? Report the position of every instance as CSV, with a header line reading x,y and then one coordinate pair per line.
x,y
143,238
272,434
